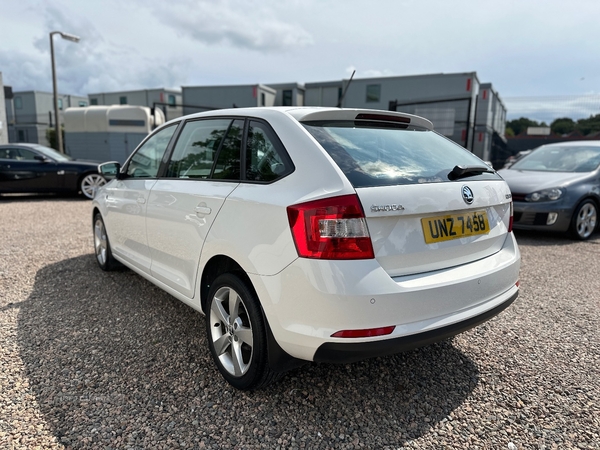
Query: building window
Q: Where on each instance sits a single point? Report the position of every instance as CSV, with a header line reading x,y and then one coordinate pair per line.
x,y
373,93
122,100
262,99
60,103
18,103
21,136
287,97
93,101
83,103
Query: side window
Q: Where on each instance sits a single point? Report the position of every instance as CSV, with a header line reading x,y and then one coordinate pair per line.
x,y
9,153
266,159
228,162
146,160
196,148
26,155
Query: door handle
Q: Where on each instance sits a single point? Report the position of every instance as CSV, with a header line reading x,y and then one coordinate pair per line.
x,y
141,200
203,210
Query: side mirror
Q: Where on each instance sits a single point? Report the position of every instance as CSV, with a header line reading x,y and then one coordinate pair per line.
x,y
110,170
40,158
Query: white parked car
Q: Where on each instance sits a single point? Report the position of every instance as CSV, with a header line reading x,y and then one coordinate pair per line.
x,y
311,234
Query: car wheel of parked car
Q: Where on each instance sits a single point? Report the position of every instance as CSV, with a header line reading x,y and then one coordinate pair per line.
x,y
90,183
104,255
236,333
584,220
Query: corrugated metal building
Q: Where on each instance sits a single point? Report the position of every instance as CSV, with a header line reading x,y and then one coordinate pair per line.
x,y
31,113
203,98
453,102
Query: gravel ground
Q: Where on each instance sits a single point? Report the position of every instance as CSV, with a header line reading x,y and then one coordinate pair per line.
x,y
97,360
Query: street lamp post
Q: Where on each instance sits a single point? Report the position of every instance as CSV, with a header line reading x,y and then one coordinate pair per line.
x,y
68,37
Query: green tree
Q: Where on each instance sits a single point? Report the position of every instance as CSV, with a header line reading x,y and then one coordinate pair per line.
x,y
589,125
562,125
51,137
517,126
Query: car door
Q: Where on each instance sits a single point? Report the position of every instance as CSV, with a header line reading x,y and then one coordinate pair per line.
x,y
20,171
126,199
203,170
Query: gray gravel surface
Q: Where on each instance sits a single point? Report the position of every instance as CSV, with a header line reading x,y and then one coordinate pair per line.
x,y
106,360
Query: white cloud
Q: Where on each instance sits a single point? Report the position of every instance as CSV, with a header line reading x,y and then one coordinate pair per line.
x,y
240,24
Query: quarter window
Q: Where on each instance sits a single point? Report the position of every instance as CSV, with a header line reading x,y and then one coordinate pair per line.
x,y
266,159
146,160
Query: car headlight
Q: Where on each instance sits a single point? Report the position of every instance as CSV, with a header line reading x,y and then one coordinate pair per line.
x,y
545,195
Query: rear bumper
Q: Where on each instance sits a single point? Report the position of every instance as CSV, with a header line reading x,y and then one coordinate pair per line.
x,y
310,300
335,352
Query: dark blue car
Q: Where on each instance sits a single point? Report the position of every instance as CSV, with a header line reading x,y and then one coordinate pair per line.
x,y
33,168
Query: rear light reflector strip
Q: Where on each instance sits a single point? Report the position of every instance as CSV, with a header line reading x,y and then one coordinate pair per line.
x,y
369,332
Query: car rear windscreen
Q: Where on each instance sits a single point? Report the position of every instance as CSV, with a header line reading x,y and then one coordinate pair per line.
x,y
387,154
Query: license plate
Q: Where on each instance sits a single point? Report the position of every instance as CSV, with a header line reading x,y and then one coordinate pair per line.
x,y
455,226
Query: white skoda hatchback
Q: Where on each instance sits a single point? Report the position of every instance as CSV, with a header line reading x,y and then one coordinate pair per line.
x,y
311,234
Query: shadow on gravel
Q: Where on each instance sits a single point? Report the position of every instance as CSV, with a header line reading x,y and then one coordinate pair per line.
x,y
40,197
539,239
115,362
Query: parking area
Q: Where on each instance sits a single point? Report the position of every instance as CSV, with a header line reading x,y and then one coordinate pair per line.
x,y
105,360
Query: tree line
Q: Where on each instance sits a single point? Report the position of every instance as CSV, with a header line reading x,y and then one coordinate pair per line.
x,y
562,125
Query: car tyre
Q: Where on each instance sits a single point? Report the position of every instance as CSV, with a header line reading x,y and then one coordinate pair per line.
x,y
584,220
90,183
236,333
102,250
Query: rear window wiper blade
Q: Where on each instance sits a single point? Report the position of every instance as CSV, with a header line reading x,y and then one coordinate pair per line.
x,y
467,171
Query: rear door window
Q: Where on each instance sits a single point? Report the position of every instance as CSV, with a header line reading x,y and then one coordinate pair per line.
x,y
378,155
197,147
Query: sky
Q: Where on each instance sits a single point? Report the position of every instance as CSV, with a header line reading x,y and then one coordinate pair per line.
x,y
525,48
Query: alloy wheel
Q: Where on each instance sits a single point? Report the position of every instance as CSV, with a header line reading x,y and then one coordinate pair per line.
x,y
91,183
586,220
231,331
100,242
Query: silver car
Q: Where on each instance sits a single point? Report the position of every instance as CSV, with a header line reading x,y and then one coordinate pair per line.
x,y
557,188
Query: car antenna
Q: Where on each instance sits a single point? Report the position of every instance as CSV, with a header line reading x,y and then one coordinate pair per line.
x,y
339,105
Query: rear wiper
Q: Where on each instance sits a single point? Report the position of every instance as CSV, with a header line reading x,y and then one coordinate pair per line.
x,y
467,171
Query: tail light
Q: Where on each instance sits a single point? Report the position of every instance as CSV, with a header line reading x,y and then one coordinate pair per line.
x,y
331,228
510,222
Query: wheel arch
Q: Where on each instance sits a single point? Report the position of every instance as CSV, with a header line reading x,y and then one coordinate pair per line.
x,y
279,360
218,265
